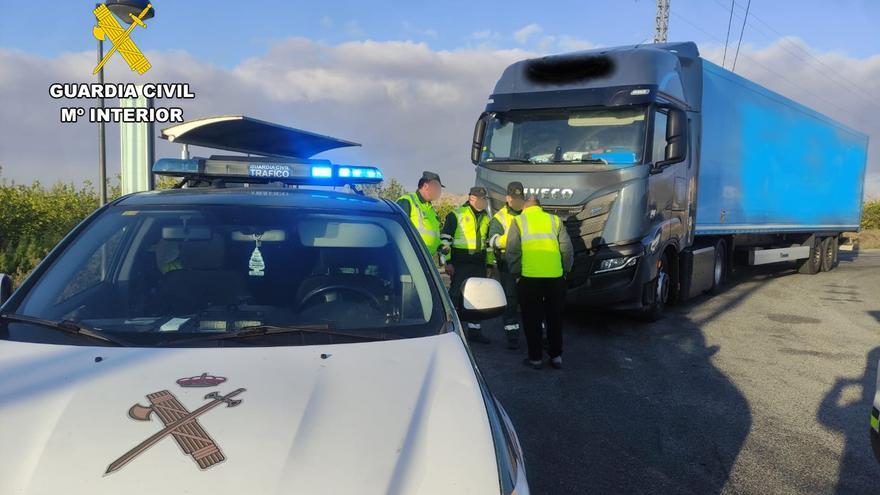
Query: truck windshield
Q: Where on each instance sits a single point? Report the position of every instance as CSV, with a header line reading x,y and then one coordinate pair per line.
x,y
612,136
161,275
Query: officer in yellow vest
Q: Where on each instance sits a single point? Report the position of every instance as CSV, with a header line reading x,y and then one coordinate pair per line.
x,y
464,243
421,212
498,228
539,252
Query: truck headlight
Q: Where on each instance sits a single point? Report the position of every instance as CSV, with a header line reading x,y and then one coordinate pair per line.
x,y
655,242
612,264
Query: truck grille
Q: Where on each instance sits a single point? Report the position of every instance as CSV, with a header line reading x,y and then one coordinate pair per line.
x,y
584,225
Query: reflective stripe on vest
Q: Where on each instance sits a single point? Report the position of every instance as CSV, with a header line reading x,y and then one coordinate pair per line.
x,y
505,219
424,218
539,238
467,232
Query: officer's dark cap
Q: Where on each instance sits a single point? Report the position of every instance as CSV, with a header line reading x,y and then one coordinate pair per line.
x,y
429,176
478,191
515,190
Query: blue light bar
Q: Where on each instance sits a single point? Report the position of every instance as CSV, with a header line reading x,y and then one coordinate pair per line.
x,y
263,170
322,172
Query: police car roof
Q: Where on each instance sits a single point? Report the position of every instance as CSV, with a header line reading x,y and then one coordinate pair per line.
x,y
258,196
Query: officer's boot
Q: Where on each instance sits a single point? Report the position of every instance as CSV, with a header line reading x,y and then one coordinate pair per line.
x,y
475,334
511,330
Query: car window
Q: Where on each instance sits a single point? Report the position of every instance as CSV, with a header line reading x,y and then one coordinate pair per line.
x,y
155,274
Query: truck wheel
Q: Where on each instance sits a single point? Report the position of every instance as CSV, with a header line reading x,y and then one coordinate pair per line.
x,y
660,286
719,270
827,254
813,264
835,243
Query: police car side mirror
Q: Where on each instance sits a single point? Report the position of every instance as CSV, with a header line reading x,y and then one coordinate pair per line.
x,y
5,287
483,298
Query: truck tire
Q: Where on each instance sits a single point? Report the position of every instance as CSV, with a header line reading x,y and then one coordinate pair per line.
x,y
719,270
813,264
836,244
661,285
827,263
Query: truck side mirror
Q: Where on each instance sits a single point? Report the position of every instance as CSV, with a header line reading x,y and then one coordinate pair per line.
x,y
477,145
676,137
5,287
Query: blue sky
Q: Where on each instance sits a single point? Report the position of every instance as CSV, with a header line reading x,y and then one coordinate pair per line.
x,y
225,33
407,79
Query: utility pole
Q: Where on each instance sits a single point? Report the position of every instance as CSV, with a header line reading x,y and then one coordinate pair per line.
x,y
662,21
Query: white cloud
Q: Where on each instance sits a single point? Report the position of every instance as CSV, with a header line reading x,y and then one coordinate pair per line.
x,y
523,35
326,22
413,107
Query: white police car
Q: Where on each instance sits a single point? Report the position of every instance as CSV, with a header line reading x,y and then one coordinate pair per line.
x,y
247,338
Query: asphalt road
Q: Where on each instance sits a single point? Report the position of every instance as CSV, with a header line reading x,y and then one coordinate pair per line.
x,y
764,388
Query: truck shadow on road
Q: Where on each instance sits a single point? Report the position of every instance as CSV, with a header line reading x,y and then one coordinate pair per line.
x,y
639,407
858,468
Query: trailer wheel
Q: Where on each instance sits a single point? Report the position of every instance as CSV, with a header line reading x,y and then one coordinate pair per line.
x,y
719,270
827,254
813,264
836,245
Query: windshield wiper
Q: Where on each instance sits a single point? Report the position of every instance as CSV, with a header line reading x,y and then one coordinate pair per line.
x,y
509,159
262,330
66,326
584,160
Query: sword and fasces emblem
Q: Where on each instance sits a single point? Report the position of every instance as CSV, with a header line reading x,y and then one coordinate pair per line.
x,y
181,423
109,27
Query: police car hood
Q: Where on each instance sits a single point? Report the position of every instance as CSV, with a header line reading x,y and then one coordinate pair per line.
x,y
403,416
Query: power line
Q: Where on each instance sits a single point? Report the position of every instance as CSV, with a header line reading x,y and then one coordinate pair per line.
x,y
741,34
727,38
827,73
768,69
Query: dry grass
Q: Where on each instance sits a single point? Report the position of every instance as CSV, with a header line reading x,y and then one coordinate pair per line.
x,y
866,239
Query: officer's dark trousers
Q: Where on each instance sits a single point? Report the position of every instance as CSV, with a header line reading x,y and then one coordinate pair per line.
x,y
508,282
542,300
464,271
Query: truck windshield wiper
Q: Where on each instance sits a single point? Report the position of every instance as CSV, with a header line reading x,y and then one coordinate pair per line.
x,y
584,160
66,326
509,159
262,330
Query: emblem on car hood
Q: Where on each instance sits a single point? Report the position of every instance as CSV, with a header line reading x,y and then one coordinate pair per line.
x,y
181,424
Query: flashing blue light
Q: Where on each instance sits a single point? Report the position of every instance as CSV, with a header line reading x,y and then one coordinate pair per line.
x,y
243,169
322,172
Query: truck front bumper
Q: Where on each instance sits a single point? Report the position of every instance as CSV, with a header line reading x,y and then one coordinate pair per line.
x,y
617,289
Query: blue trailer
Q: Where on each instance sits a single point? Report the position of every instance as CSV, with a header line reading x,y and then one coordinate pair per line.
x,y
666,168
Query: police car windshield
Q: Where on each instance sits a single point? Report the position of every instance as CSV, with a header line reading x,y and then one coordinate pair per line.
x,y
156,275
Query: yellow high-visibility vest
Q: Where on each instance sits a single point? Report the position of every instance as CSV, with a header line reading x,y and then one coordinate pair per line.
x,y
505,218
424,217
539,241
467,230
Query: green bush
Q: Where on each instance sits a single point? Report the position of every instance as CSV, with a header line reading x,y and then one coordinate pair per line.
x,y
871,215
34,218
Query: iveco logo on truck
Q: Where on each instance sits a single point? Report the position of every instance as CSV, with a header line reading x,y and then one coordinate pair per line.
x,y
549,193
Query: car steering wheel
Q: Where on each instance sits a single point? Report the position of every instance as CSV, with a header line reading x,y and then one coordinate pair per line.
x,y
370,297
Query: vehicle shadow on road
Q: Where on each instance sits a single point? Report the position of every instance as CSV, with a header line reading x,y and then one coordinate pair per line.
x,y
845,410
639,408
